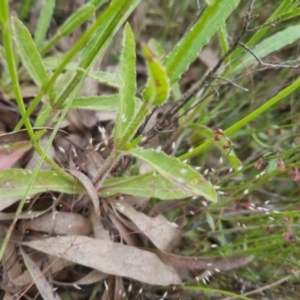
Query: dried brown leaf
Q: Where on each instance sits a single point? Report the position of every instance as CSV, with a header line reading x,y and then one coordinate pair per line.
x,y
204,263
12,266
60,223
87,183
39,279
124,232
157,229
108,257
23,215
9,156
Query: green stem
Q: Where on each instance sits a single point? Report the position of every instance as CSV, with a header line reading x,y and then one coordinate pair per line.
x,y
282,94
138,119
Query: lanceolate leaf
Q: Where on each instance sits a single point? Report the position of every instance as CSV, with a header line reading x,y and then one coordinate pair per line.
x,y
109,257
158,86
128,88
149,185
175,171
76,19
198,36
14,182
28,52
103,102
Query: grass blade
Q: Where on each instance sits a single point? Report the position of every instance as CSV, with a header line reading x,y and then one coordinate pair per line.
x,y
267,46
188,48
75,20
44,22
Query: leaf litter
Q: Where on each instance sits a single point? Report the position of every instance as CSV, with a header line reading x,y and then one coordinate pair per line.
x,y
117,240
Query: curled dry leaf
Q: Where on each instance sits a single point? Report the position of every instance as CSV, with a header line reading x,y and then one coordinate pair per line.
x,y
39,279
158,229
111,258
61,223
87,183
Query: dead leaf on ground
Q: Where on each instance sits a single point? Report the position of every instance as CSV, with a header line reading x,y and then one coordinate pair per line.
x,y
90,188
13,268
158,229
60,223
111,258
210,264
44,287
124,232
9,156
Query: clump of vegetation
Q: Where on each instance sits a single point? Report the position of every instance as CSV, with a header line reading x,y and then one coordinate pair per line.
x,y
145,156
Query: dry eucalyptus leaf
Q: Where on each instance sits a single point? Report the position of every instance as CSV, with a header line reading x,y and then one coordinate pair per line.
x,y
12,266
8,201
124,232
23,215
44,287
100,232
158,229
87,183
94,162
91,277
108,257
204,263
61,223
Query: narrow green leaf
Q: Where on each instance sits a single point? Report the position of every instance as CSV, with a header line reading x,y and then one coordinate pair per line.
x,y
158,86
269,45
28,52
198,36
44,22
103,102
223,143
149,185
75,20
128,89
175,171
106,26
107,78
14,183
259,34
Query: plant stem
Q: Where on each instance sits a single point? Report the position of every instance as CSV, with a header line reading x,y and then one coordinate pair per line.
x,y
106,168
285,92
138,119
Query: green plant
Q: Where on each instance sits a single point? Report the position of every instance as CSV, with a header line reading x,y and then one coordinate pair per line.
x,y
169,177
